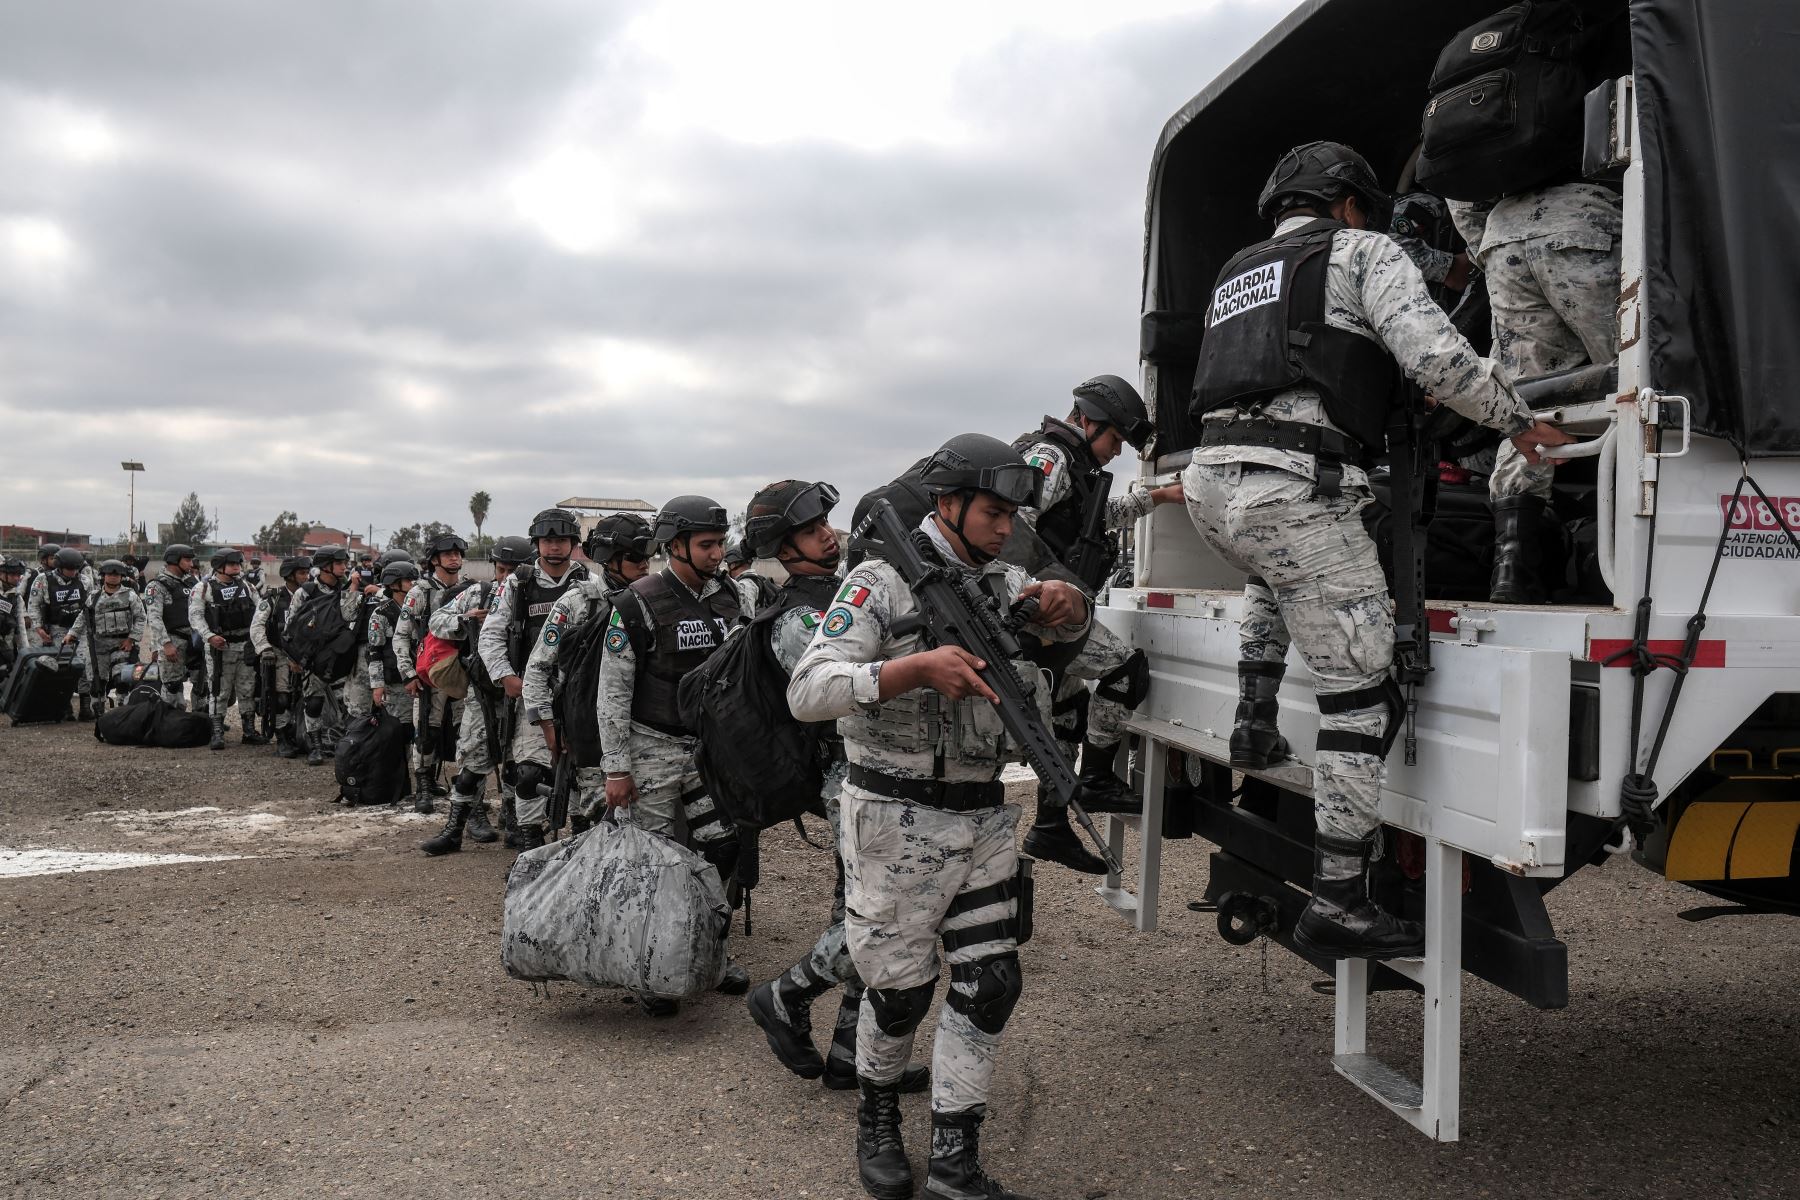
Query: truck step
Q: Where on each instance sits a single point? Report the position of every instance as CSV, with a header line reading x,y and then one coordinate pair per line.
x,y
1380,1080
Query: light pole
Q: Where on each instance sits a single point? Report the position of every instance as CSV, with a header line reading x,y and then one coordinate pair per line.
x,y
132,469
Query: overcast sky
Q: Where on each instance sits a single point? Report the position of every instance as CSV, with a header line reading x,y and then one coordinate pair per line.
x,y
360,259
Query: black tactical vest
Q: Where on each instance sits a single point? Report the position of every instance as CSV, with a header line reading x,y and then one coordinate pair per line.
x,y
175,591
1266,333
1059,526
672,632
532,601
64,600
809,591
229,606
388,609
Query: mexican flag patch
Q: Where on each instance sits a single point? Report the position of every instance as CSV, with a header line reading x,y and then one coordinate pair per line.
x,y
616,618
810,620
1046,465
853,595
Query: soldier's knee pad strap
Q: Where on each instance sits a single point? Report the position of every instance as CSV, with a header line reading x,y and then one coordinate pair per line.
x,y
1128,683
1386,695
898,1011
997,982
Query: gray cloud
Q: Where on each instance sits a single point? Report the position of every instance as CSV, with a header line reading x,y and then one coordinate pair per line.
x,y
300,283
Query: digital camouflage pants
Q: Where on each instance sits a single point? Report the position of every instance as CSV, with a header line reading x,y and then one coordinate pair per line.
x,y
230,679
1555,307
904,866
1316,583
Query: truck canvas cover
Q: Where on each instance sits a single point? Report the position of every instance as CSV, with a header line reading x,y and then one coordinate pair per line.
x,y
1719,114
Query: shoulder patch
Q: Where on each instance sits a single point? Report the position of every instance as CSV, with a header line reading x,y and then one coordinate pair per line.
x,y
810,620
552,634
853,594
838,621
1043,462
616,641
617,621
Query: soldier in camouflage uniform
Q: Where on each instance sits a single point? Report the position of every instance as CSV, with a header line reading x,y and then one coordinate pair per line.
x,y
790,522
619,545
1107,414
377,680
12,613
521,612
665,625
113,618
220,611
435,714
460,620
166,613
1551,258
1275,489
57,599
265,638
323,699
928,840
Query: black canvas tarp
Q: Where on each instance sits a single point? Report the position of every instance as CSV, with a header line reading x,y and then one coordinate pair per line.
x,y
1719,108
1719,123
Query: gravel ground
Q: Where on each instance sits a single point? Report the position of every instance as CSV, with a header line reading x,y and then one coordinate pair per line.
x,y
325,1015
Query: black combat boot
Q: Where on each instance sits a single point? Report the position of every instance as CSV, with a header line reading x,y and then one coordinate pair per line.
x,y
1341,921
218,736
286,745
479,828
657,1006
956,1172
531,837
782,1009
1515,579
1052,840
1256,741
84,707
1102,791
509,822
424,799
880,1154
449,839
248,733
735,981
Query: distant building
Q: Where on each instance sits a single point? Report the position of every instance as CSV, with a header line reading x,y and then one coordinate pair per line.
x,y
26,535
324,535
590,509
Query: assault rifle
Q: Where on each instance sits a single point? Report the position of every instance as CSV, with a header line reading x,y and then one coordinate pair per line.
x,y
265,699
1091,557
955,612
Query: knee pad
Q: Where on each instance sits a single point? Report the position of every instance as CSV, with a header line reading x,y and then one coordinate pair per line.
x,y
315,706
466,782
898,1011
1069,715
998,982
1385,695
1128,683
530,777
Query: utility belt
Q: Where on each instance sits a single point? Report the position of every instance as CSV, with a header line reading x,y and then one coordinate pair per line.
x,y
235,639
1329,448
932,793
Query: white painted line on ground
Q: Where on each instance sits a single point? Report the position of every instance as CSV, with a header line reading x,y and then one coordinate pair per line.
x,y
20,863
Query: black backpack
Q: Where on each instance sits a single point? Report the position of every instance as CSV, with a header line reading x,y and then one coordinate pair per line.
x,y
909,498
370,759
317,636
578,686
1505,114
760,765
130,724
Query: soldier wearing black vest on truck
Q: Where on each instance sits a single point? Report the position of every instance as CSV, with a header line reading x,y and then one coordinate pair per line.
x,y
166,610
1307,338
1073,455
1547,240
220,611
664,626
265,638
435,714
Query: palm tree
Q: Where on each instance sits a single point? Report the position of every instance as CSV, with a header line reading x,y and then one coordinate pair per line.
x,y
478,509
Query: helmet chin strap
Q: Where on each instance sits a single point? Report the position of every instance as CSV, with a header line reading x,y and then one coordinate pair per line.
x,y
980,558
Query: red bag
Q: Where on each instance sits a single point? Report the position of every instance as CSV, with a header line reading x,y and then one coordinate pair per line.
x,y
439,663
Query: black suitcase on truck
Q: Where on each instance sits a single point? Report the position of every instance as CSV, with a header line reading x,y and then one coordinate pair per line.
x,y
41,685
